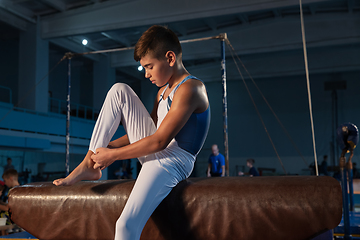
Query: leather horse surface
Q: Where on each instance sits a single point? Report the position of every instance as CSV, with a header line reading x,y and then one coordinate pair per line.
x,y
277,207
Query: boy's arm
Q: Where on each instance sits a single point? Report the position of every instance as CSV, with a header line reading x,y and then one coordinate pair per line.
x,y
189,98
120,142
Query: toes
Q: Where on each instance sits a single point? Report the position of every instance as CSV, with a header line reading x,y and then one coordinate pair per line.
x,y
58,182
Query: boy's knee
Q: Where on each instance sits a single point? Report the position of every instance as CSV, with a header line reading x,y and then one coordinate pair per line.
x,y
119,87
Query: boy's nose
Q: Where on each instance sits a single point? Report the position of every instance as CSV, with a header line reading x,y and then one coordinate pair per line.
x,y
147,75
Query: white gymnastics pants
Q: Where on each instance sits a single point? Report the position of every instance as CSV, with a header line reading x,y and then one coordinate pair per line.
x,y
160,171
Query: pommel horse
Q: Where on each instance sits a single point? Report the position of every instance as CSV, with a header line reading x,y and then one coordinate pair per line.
x,y
285,207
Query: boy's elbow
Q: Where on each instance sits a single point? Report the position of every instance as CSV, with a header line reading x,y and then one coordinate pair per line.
x,y
160,145
158,142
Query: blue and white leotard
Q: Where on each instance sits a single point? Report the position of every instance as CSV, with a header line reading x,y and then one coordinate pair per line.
x,y
192,136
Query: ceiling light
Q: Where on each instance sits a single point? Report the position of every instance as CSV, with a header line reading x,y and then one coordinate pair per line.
x,y
140,68
84,42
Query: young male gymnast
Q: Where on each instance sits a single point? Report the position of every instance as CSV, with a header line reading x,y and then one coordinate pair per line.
x,y
166,141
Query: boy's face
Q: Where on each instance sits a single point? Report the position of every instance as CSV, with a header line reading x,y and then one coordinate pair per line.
x,y
157,71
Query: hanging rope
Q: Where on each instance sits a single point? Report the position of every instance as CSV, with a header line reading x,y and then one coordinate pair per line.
x,y
256,109
308,85
268,104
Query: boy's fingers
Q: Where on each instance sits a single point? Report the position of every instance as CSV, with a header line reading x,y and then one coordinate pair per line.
x,y
96,165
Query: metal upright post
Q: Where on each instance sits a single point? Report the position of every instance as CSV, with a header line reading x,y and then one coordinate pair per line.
x,y
333,127
351,187
343,171
67,153
223,77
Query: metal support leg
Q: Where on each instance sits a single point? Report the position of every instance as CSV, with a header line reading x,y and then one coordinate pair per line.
x,y
351,187
67,151
343,170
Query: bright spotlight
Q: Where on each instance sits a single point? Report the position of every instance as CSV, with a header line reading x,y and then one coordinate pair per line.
x,y
140,68
84,42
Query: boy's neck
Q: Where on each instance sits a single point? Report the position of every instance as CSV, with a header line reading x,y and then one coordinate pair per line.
x,y
178,75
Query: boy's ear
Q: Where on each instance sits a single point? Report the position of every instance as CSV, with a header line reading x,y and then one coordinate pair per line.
x,y
171,58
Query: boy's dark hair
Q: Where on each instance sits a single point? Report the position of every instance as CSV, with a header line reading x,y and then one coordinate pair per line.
x,y
251,161
10,173
157,40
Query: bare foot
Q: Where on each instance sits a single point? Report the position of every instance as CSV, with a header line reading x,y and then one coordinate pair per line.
x,y
84,171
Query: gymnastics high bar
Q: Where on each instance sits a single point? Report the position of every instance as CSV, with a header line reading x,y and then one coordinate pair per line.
x,y
70,55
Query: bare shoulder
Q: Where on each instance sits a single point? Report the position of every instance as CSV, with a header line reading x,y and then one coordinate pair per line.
x,y
193,86
194,92
195,82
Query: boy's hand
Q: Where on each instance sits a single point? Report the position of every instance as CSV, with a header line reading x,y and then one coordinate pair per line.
x,y
103,158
